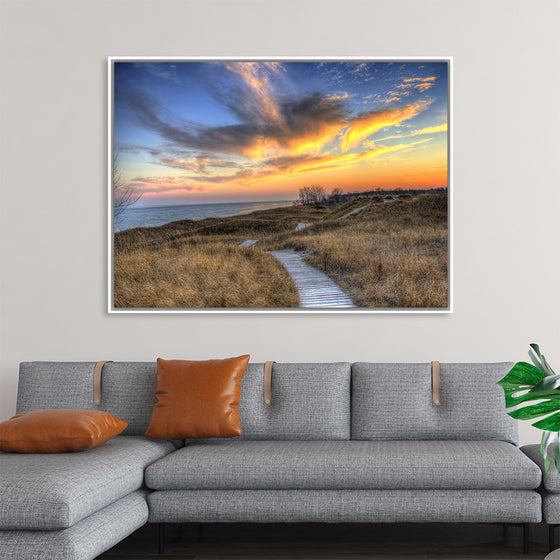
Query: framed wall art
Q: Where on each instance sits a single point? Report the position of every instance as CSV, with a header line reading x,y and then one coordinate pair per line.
x,y
279,185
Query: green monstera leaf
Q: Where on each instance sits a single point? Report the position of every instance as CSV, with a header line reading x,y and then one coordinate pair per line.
x,y
526,383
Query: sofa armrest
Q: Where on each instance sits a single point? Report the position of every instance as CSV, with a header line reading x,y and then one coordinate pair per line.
x,y
551,479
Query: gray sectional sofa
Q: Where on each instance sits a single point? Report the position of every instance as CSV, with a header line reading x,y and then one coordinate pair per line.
x,y
340,442
550,491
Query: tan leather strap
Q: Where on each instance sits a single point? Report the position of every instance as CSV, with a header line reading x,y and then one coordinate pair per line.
x,y
435,384
267,393
97,371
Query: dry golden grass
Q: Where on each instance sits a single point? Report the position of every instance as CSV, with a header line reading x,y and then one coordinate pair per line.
x,y
393,253
347,207
210,275
260,223
198,264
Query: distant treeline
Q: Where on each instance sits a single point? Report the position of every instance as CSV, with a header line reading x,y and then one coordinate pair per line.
x,y
436,190
316,195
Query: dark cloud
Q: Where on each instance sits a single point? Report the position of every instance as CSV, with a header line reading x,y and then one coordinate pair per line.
x,y
310,116
195,163
298,119
286,162
136,149
241,174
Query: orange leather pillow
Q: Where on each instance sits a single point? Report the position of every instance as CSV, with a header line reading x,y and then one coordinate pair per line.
x,y
58,431
197,399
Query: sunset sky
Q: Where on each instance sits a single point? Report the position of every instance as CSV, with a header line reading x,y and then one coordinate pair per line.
x,y
200,132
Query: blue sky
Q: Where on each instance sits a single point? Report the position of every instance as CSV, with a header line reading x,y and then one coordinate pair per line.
x,y
193,132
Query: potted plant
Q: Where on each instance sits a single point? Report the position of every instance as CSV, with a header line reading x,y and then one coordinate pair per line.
x,y
526,383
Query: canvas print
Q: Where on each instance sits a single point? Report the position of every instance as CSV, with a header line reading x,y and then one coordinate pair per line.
x,y
303,185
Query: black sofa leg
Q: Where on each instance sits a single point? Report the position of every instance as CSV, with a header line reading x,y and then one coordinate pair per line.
x,y
551,543
161,538
525,538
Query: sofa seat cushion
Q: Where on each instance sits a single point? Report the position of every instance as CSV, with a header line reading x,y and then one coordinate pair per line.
x,y
270,465
551,508
550,478
55,491
85,540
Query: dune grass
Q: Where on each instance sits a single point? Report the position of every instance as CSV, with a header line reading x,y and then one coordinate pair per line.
x,y
347,207
260,223
391,254
201,275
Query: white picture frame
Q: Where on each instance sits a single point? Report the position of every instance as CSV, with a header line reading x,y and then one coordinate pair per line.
x,y
112,309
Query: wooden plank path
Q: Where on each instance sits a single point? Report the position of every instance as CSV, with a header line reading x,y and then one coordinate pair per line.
x,y
315,289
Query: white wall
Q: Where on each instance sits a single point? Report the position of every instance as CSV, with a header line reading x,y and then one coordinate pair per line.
x,y
53,177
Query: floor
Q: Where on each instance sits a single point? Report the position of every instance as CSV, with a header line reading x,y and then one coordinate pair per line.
x,y
333,542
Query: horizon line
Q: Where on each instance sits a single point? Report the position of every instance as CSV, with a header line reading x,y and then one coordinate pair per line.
x,y
378,189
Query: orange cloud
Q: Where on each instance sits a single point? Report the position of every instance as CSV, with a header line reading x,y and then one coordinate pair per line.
x,y
337,96
282,167
430,79
261,147
421,84
370,123
317,140
424,86
428,130
306,141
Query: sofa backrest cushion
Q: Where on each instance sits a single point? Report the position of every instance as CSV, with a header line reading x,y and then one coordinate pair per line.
x,y
127,389
44,385
394,402
309,401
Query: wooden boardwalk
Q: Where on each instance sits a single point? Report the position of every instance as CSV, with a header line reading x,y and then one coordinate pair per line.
x,y
315,289
248,243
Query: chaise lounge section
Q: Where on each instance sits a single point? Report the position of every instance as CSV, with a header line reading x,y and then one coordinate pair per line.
x,y
77,505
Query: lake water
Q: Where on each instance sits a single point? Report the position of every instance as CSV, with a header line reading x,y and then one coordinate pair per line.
x,y
158,215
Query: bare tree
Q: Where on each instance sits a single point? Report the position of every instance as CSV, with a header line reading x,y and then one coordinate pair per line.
x,y
304,196
336,194
123,196
318,195
315,195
